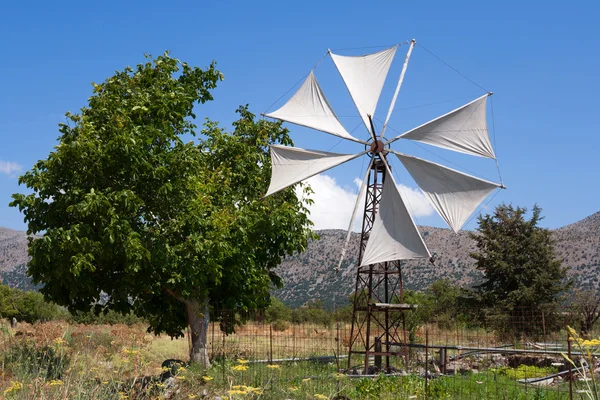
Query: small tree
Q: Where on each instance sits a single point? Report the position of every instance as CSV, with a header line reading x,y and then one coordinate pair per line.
x,y
162,227
586,305
520,268
446,298
277,311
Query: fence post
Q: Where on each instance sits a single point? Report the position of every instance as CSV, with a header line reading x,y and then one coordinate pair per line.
x,y
378,356
570,368
293,340
544,326
212,342
223,316
337,340
270,343
443,360
426,362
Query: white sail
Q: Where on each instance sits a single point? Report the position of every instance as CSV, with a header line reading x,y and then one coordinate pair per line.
x,y
453,194
309,107
364,77
361,191
463,130
394,235
290,165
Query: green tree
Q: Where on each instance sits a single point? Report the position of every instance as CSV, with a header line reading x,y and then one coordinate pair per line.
x,y
160,226
586,306
519,264
446,303
28,306
277,311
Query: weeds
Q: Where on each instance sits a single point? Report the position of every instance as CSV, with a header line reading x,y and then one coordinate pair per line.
x,y
58,360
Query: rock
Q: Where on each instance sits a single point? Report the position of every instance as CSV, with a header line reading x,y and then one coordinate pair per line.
x,y
170,383
171,387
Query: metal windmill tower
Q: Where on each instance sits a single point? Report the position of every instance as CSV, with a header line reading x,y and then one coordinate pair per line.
x,y
389,234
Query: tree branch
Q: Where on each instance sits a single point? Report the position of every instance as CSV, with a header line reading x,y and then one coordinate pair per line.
x,y
176,296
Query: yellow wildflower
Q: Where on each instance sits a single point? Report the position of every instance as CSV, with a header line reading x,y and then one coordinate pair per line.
x,y
338,375
207,378
235,391
273,366
60,341
14,387
191,396
180,377
242,361
239,367
321,396
305,379
293,388
181,368
55,382
105,383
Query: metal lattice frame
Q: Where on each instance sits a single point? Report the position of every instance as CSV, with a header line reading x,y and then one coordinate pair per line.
x,y
378,317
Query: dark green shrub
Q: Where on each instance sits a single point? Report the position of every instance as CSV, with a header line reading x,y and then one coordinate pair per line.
x,y
28,306
24,358
280,325
110,317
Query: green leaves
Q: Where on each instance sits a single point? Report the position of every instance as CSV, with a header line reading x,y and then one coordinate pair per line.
x,y
129,210
518,260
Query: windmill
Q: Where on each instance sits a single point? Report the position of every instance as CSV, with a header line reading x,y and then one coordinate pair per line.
x,y
389,234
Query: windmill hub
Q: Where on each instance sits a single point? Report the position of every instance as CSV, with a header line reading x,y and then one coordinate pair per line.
x,y
376,147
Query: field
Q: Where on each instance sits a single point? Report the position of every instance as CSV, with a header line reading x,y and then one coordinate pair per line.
x,y
56,360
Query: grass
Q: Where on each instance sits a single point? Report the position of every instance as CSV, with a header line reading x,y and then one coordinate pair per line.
x,y
55,360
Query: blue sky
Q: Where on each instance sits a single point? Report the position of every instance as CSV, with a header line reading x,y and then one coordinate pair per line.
x,y
539,58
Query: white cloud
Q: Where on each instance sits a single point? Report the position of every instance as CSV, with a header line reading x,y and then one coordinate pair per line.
x,y
9,167
333,204
417,203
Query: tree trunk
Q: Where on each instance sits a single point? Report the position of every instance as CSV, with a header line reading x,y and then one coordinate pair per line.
x,y
198,319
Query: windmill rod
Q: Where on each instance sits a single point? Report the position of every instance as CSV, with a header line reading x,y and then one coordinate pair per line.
x,y
372,129
400,80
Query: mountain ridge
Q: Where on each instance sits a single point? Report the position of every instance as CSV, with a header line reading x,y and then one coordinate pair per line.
x,y
311,275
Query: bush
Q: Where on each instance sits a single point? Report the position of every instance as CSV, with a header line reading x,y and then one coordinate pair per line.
x,y
24,358
109,317
277,311
312,313
280,325
527,371
28,306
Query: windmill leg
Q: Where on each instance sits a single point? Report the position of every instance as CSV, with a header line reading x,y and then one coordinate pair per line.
x,y
387,318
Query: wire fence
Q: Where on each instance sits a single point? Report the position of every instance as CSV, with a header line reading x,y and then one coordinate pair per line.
x,y
524,356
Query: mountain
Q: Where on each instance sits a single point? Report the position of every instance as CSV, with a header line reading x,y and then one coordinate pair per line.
x,y
578,245
311,275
